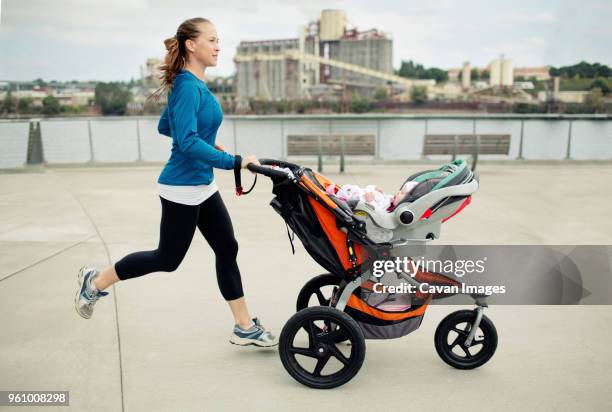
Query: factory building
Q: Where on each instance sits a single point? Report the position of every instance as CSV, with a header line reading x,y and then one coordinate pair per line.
x,y
268,78
325,58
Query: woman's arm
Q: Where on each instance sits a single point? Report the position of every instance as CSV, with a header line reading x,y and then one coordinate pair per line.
x,y
184,114
163,127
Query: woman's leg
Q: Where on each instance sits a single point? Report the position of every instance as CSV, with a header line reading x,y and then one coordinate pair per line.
x,y
106,278
215,224
178,223
241,314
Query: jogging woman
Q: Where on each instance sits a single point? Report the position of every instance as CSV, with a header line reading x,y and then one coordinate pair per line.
x,y
187,190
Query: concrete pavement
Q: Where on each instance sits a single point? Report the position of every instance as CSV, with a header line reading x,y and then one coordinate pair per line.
x,y
160,342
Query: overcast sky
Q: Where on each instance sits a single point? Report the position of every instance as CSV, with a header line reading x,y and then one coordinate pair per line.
x,y
111,39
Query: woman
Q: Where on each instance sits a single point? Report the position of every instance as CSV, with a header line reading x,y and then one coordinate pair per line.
x,y
186,185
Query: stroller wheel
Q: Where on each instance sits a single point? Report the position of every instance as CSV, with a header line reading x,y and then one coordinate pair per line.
x,y
450,338
319,291
321,288
309,351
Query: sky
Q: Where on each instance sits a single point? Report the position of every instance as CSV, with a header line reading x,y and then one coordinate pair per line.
x,y
110,39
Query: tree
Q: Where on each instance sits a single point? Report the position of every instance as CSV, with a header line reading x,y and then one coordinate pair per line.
x,y
23,106
359,104
600,84
413,70
112,98
438,75
409,69
51,106
527,108
418,94
40,82
594,102
474,75
8,102
381,94
582,69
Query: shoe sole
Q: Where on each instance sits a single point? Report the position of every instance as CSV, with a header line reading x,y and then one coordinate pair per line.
x,y
78,294
247,342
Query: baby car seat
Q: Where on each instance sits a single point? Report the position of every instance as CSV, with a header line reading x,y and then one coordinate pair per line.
x,y
450,174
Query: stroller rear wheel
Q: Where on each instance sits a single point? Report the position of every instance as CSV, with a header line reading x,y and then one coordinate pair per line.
x,y
309,351
450,338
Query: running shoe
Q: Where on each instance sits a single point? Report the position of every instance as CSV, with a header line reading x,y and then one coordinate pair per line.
x,y
256,335
87,294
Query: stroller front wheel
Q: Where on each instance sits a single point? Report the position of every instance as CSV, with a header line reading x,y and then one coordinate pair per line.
x,y
309,350
450,338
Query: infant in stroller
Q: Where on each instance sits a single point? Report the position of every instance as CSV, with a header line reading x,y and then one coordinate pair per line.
x,y
370,195
405,214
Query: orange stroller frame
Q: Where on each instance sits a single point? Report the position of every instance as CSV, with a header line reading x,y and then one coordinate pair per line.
x,y
323,345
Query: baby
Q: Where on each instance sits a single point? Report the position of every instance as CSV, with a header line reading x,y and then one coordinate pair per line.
x,y
371,195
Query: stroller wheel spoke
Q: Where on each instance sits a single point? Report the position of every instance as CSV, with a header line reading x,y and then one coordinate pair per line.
x,y
320,365
321,298
338,355
312,334
302,351
466,351
332,337
460,332
455,342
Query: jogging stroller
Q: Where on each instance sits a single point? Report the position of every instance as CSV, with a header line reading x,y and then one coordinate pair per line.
x,y
323,344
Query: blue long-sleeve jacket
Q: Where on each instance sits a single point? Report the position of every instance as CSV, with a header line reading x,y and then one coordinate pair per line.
x,y
192,117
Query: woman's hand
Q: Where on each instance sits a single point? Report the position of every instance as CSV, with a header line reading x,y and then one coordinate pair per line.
x,y
219,146
248,160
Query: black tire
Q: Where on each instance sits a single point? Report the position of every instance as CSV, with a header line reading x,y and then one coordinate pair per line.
x,y
455,353
322,346
313,287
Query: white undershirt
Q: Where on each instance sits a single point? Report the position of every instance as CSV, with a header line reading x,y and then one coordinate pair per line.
x,y
187,195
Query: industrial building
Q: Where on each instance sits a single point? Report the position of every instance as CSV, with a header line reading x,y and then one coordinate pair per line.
x,y
501,72
325,60
150,73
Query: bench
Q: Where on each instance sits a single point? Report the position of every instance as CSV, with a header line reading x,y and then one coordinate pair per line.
x,y
465,144
331,145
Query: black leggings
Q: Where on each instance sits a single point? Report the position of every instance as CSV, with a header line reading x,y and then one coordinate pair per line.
x,y
178,223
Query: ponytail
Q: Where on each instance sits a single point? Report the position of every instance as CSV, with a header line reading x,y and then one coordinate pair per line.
x,y
175,58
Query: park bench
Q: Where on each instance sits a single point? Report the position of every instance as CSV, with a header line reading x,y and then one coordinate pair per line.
x,y
331,145
466,144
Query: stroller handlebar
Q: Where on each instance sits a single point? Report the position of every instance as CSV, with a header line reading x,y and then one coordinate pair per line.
x,y
267,171
279,163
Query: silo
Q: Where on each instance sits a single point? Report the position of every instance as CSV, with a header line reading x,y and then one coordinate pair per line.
x,y
495,73
465,76
507,72
332,25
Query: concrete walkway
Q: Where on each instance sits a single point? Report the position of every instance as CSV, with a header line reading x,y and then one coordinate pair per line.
x,y
160,342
